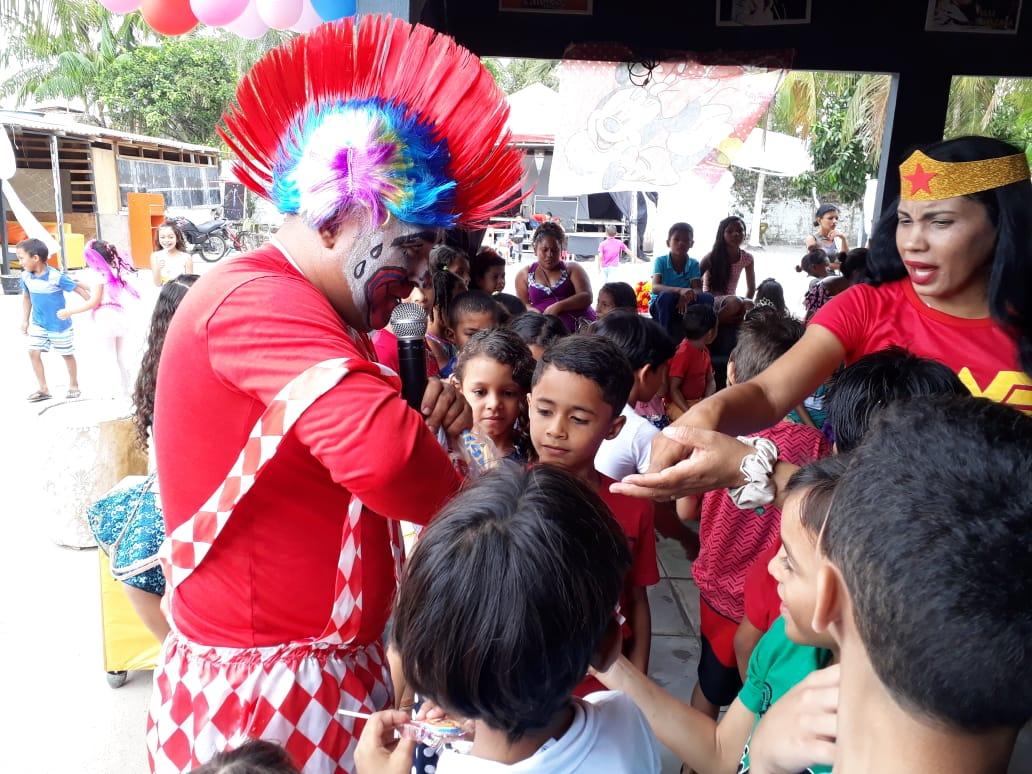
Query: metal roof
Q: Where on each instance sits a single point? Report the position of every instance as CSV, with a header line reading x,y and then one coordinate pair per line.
x,y
56,123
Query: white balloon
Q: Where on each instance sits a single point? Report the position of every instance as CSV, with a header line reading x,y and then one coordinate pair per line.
x,y
310,18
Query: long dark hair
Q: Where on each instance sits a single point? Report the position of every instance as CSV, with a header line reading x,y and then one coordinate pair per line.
x,y
446,287
143,393
1010,211
180,239
720,260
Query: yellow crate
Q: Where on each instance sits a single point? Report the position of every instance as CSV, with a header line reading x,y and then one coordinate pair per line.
x,y
128,644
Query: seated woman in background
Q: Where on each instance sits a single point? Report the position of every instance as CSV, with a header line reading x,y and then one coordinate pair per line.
x,y
722,268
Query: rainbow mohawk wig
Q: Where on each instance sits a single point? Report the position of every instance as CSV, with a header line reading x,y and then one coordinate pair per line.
x,y
377,115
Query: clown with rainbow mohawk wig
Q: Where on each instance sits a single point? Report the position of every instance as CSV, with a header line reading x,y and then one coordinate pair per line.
x,y
285,452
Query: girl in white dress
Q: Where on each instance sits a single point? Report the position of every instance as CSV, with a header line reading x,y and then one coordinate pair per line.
x,y
171,259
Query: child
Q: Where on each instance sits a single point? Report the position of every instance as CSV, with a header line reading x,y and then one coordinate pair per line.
x,y
770,293
676,280
925,584
691,370
110,300
785,656
43,290
610,250
731,537
487,271
815,264
579,391
615,295
649,350
171,258
255,756
511,304
531,563
444,287
494,372
445,258
859,393
538,331
470,312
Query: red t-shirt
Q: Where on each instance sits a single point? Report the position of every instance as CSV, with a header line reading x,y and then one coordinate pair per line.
x,y
636,518
242,332
386,345
868,319
693,366
731,538
762,603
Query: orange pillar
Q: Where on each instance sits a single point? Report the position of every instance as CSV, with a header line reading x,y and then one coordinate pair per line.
x,y
146,213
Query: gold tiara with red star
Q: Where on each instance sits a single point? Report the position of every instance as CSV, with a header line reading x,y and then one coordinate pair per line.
x,y
923,179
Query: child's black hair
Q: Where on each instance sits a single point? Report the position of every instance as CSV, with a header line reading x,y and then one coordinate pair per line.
x,y
255,756
813,258
511,304
481,263
698,320
36,247
503,346
622,295
854,265
720,258
764,335
930,529
680,226
443,257
525,567
819,479
642,340
473,302
1009,208
594,358
865,388
446,287
538,330
770,293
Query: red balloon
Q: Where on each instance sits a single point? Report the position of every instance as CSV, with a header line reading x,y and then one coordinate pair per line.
x,y
169,17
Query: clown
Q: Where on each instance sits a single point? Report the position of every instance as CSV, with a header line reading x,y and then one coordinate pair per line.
x,y
950,279
285,452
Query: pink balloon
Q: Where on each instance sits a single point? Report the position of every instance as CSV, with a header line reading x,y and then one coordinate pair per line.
x,y
217,13
121,6
279,14
248,24
310,18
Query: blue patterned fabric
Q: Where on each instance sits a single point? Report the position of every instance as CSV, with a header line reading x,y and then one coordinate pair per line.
x,y
129,528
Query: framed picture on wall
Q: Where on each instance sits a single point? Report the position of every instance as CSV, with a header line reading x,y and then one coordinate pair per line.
x,y
581,7
762,13
999,17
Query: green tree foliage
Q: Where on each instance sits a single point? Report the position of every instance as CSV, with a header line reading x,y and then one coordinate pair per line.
x,y
177,89
998,107
515,74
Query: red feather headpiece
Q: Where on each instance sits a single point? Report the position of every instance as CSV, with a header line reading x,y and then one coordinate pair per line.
x,y
380,114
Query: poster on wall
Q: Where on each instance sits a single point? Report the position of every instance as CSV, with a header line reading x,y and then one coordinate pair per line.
x,y
762,13
580,7
998,17
233,201
681,124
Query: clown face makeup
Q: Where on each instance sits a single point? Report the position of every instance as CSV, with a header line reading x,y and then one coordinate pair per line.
x,y
382,268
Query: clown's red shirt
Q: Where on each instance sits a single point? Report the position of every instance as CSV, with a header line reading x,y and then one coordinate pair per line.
x,y
243,332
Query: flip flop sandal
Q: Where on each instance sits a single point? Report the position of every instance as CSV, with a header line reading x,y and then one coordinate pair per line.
x,y
38,396
73,394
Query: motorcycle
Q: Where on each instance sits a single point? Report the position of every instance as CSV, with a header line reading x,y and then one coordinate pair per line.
x,y
210,239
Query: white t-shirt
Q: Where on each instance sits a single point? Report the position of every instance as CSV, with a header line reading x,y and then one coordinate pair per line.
x,y
608,735
630,451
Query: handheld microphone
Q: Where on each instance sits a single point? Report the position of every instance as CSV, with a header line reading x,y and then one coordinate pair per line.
x,y
408,322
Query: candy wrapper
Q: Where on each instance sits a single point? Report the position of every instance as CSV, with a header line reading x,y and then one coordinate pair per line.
x,y
475,455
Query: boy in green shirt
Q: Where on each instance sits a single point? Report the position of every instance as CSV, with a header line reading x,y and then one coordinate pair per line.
x,y
778,664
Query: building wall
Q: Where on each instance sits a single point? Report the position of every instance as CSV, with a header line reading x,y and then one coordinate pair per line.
x,y
105,181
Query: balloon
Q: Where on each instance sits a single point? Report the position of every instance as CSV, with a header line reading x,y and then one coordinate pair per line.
x,y
310,19
279,14
217,13
249,24
334,9
121,6
169,17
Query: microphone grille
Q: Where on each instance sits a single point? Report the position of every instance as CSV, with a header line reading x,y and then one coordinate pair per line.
x,y
408,321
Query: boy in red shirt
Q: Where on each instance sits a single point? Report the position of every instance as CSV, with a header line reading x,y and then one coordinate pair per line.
x,y
691,371
732,538
580,387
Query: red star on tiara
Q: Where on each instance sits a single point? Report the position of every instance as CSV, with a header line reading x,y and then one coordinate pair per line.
x,y
920,180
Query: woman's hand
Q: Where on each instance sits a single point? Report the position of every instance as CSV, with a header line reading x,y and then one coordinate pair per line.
x,y
800,728
554,309
688,461
378,751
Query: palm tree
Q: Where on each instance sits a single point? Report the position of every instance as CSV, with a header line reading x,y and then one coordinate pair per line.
x,y
61,46
995,106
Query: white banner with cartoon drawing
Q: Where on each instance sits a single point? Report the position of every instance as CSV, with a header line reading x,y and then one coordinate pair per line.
x,y
622,132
